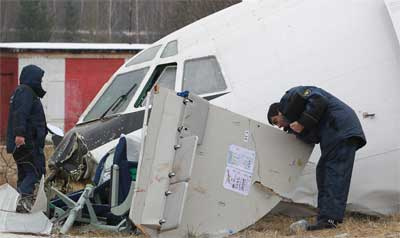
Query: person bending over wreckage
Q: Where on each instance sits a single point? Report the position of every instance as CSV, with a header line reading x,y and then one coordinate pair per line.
x,y
316,116
26,133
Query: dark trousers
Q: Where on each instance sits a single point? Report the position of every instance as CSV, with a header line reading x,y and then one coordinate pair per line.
x,y
334,172
31,166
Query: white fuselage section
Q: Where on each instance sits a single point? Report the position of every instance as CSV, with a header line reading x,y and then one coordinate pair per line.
x,y
263,48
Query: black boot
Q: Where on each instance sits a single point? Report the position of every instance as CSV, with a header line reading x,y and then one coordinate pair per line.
x,y
322,224
24,204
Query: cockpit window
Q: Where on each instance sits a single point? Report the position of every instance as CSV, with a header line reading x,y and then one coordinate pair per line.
x,y
144,56
203,76
168,77
164,75
118,95
170,50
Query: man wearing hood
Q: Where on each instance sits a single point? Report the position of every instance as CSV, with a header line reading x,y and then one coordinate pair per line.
x,y
27,129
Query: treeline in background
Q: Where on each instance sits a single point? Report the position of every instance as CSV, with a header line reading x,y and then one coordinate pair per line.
x,y
101,21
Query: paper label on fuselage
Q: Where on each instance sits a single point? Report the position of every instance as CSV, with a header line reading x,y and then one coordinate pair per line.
x,y
239,169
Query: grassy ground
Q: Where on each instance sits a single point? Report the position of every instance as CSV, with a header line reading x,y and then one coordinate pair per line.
x,y
355,225
8,169
274,226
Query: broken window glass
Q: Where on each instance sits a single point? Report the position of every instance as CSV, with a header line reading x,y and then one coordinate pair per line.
x,y
118,95
170,50
144,56
164,75
203,76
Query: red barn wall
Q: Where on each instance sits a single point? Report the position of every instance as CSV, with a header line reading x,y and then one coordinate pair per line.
x,y
83,79
8,82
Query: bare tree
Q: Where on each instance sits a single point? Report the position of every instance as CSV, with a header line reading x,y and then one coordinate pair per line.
x,y
8,19
35,23
109,20
71,21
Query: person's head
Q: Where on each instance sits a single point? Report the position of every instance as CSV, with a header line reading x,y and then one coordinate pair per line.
x,y
32,75
275,117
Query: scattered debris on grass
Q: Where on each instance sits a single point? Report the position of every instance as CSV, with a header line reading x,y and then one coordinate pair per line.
x,y
355,225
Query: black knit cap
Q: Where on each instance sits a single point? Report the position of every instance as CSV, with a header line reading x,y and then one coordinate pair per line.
x,y
273,111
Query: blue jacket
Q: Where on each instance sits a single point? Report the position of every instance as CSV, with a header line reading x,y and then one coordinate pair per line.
x,y
26,116
325,118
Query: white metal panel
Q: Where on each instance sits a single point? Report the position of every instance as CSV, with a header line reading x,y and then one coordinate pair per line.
x,y
195,117
184,157
155,163
210,208
31,223
174,206
8,198
227,211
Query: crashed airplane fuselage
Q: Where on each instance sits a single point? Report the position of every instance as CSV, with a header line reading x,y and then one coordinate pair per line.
x,y
244,58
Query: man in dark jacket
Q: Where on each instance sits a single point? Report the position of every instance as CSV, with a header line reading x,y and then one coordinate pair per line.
x,y
315,116
27,129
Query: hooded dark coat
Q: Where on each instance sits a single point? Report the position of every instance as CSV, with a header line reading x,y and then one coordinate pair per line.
x,y
26,116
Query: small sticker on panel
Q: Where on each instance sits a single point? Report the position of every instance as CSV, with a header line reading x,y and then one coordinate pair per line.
x,y
237,180
241,158
246,136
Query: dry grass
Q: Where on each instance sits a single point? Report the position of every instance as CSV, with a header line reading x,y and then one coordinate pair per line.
x,y
85,231
355,225
275,226
8,168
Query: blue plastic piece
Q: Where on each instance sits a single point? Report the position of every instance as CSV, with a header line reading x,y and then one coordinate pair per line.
x,y
183,94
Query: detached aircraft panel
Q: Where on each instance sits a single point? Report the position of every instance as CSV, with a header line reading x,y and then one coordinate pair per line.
x,y
241,170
